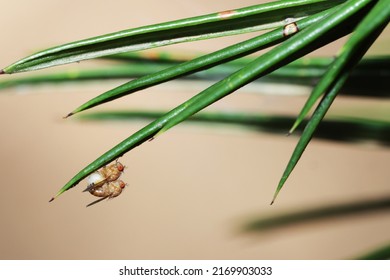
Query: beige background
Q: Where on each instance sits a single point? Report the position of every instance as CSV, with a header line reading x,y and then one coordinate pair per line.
x,y
190,190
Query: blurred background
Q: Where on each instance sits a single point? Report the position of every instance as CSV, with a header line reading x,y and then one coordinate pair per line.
x,y
191,191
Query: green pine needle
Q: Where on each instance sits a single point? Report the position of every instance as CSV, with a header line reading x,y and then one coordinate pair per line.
x,y
298,28
364,36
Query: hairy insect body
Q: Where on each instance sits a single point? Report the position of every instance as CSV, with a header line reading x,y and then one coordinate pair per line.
x,y
110,190
106,174
112,172
105,182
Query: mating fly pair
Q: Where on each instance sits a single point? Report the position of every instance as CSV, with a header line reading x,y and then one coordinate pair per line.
x,y
105,182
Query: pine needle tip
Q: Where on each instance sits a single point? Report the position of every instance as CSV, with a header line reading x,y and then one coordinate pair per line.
x,y
275,196
68,115
2,71
292,129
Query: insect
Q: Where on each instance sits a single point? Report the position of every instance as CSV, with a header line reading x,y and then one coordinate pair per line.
x,y
107,174
104,183
107,191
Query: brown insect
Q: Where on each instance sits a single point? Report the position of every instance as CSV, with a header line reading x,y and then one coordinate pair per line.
x,y
107,191
104,183
107,174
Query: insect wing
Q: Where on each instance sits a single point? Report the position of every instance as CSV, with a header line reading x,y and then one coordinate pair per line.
x,y
97,201
94,185
95,180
